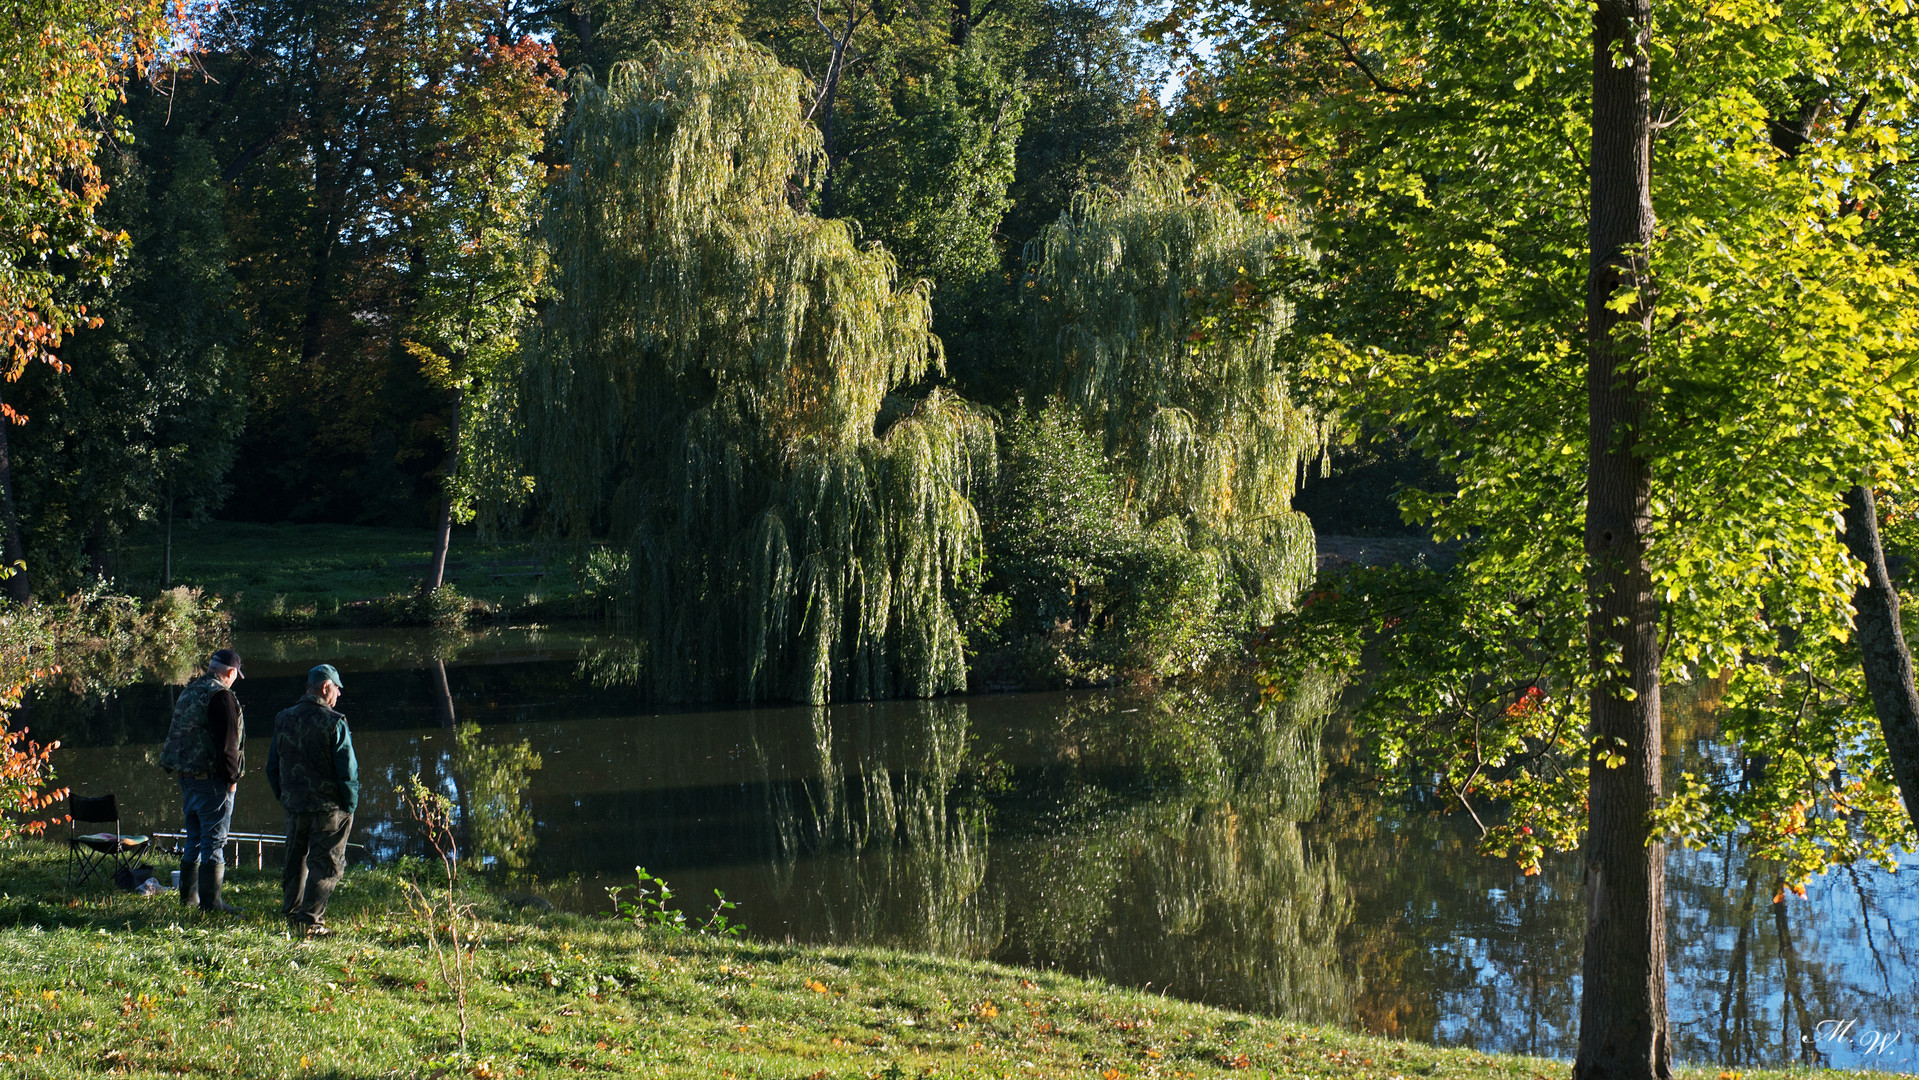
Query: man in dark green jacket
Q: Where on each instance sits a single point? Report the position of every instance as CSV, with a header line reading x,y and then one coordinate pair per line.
x,y
316,777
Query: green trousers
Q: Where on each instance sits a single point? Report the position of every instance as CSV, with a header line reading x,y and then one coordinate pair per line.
x,y
316,857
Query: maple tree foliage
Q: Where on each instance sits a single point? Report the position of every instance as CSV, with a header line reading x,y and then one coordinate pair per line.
x,y
1779,368
67,62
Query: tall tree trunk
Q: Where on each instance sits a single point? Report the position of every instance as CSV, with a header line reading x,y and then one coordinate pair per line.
x,y
443,537
1622,1010
1882,646
960,22
12,551
1882,643
838,43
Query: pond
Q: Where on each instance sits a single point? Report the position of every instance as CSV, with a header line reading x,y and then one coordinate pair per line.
x,y
1184,840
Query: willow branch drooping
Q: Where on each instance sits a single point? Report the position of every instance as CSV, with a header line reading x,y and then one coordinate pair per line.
x,y
710,386
1202,424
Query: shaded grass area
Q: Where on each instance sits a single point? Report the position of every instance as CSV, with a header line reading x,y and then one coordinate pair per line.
x,y
107,983
289,575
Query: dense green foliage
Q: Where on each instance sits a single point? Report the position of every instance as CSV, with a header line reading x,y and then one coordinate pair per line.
x,y
1625,285
152,405
716,390
1779,371
1192,408
1089,590
338,256
66,64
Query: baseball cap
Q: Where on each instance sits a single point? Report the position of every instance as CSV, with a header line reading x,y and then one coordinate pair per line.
x,y
325,673
226,658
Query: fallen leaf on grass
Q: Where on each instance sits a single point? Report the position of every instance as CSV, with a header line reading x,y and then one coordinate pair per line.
x,y
816,986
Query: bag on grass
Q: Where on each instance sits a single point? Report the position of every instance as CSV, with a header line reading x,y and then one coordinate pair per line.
x,y
130,878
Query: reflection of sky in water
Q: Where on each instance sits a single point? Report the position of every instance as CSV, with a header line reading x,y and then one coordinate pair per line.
x,y
1749,982
1827,980
1173,840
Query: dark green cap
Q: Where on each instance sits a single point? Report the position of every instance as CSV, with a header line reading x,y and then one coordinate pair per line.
x,y
325,673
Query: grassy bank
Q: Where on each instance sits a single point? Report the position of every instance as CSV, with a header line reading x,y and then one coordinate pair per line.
x,y
109,983
295,576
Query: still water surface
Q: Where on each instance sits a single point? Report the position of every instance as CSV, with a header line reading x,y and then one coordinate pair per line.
x,y
1183,840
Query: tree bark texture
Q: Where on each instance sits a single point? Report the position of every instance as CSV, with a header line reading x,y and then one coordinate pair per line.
x,y
14,553
1622,1010
1882,646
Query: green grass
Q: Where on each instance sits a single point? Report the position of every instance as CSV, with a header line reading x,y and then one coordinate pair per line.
x,y
108,983
289,575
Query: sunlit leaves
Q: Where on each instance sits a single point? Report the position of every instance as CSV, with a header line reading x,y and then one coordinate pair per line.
x,y
476,194
713,385
1475,699
1151,316
65,62
1451,218
1800,776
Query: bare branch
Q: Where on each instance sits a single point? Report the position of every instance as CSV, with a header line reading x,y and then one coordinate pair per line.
x,y
1353,57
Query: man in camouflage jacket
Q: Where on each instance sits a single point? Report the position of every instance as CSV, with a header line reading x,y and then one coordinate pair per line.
x,y
314,774
203,749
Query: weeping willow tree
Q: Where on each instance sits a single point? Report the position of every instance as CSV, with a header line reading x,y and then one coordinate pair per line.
x,y
1149,320
718,390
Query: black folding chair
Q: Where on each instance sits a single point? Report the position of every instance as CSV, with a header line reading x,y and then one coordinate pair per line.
x,y
88,852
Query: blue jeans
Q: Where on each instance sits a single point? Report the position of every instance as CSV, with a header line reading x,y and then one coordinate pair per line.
x,y
209,808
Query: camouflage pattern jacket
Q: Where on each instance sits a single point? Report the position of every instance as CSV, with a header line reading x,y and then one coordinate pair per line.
x,y
192,746
310,765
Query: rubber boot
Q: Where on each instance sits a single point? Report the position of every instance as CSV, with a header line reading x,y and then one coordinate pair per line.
x,y
189,883
212,876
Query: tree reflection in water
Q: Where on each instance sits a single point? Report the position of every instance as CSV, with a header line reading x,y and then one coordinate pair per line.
x,y
494,778
1149,840
1174,856
894,832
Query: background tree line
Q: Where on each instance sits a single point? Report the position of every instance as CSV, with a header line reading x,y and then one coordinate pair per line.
x,y
347,266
